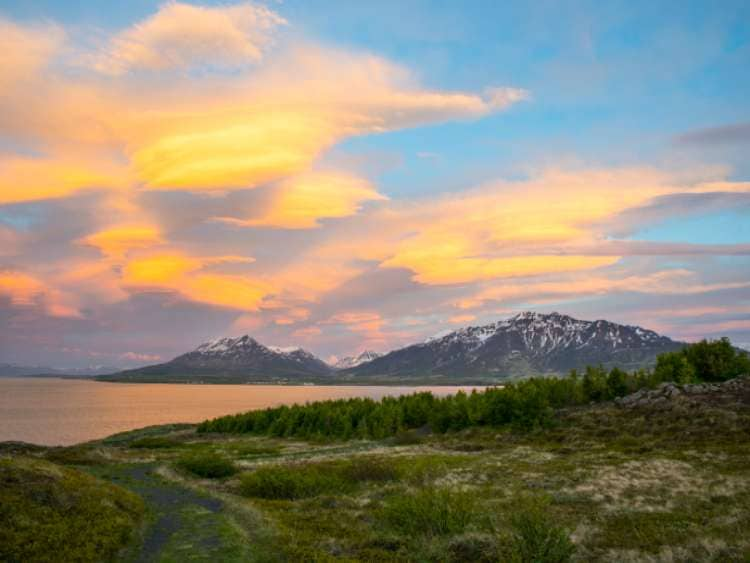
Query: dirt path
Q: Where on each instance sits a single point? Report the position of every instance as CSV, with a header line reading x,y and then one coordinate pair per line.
x,y
183,524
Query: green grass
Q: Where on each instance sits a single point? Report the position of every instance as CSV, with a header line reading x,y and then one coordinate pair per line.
x,y
291,482
430,511
153,442
49,512
536,536
207,465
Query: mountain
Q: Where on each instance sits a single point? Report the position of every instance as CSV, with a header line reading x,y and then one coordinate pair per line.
x,y
528,343
354,361
14,370
232,360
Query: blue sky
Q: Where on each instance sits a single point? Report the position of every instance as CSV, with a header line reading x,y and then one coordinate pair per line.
x,y
637,111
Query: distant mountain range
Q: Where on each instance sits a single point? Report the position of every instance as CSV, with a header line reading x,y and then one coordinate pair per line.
x,y
526,344
15,370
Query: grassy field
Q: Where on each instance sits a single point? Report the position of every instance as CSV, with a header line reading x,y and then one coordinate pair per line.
x,y
666,481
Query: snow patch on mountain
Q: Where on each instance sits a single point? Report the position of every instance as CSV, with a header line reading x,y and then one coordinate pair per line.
x,y
353,361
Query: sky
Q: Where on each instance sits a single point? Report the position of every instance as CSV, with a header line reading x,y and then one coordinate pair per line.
x,y
344,176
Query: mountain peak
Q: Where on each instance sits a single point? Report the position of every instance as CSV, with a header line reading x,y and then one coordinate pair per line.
x,y
525,343
354,361
240,358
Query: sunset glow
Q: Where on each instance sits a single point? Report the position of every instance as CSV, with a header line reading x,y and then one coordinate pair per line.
x,y
226,168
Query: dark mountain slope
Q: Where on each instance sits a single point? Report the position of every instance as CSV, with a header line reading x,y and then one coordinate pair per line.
x,y
524,344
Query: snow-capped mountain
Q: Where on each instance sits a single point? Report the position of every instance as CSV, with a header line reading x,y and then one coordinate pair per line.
x,y
524,344
241,359
354,361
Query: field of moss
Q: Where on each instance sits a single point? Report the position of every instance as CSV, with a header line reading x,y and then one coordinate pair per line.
x,y
603,483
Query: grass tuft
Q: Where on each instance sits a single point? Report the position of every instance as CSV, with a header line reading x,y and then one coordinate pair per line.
x,y
153,443
537,538
430,511
206,465
290,482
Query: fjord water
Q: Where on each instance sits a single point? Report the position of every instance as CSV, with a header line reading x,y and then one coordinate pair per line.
x,y
52,411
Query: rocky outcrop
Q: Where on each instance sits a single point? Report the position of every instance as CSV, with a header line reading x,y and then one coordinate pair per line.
x,y
732,391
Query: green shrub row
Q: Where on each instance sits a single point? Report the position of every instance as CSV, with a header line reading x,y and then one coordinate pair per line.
x,y
527,404
291,482
207,465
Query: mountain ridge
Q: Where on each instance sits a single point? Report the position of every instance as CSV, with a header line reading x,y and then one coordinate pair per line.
x,y
525,344
237,358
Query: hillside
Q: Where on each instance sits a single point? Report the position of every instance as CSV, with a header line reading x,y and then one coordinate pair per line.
x,y
526,344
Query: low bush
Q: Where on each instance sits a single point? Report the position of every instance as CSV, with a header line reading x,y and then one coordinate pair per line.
x,y
153,442
536,537
369,468
208,466
291,482
74,455
430,511
407,438
249,450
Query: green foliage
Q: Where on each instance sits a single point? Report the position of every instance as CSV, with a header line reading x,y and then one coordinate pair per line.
x,y
153,442
48,512
74,455
306,480
407,438
369,469
430,511
536,538
706,360
529,404
290,482
207,465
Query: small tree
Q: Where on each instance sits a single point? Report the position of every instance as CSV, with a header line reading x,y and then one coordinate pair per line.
x,y
617,383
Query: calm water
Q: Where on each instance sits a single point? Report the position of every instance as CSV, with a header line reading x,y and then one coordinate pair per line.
x,y
67,411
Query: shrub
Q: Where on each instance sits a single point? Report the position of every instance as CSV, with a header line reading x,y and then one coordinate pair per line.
x,y
248,450
75,455
153,442
368,468
537,539
209,466
430,511
407,438
290,482
475,547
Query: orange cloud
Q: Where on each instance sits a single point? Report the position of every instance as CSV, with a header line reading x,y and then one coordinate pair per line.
x,y
182,274
547,224
300,202
32,179
116,241
26,51
24,290
181,35
666,282
216,132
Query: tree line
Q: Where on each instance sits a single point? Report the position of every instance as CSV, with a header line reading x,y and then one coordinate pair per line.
x,y
526,404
